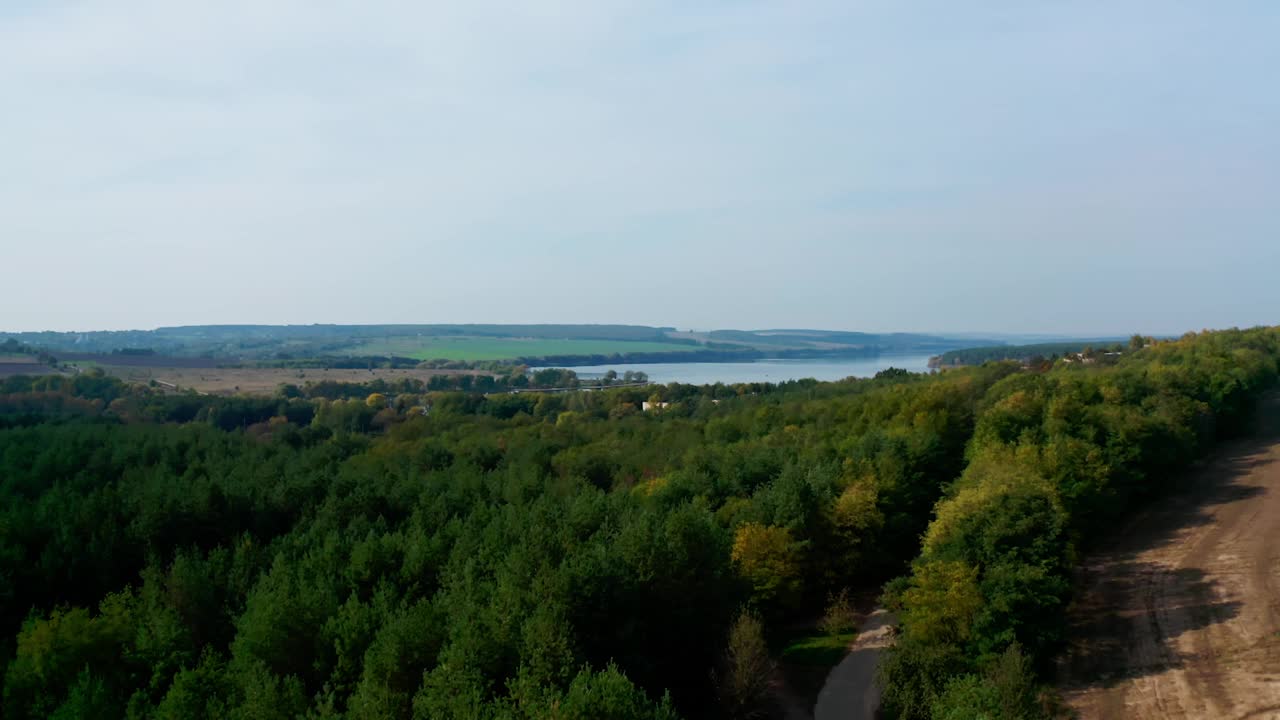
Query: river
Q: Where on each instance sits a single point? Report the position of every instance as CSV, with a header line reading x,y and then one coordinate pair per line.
x,y
774,371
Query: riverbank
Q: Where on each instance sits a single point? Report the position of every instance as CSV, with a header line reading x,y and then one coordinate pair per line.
x,y
772,370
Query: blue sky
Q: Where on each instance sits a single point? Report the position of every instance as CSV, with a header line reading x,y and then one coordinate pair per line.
x,y
1002,166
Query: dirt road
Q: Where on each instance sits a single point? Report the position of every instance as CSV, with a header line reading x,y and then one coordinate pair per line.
x,y
1180,618
850,692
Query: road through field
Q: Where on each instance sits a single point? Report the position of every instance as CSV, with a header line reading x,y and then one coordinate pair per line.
x,y
1180,618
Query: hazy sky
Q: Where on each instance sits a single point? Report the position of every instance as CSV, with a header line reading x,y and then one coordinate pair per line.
x,y
1079,167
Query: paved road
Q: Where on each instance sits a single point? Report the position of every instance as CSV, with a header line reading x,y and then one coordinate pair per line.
x,y
850,692
1181,617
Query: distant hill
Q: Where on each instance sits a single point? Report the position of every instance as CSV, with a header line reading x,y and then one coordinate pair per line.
x,y
549,343
1021,353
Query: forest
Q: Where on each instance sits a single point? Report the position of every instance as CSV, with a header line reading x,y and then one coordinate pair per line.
x,y
401,552
1037,352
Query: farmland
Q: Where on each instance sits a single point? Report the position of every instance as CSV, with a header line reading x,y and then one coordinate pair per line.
x,y
257,381
318,345
22,365
475,348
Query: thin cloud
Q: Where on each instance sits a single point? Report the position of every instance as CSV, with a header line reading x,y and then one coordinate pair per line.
x,y
866,166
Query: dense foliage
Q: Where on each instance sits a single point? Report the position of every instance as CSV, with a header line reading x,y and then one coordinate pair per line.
x,y
1055,458
564,555
492,557
1037,353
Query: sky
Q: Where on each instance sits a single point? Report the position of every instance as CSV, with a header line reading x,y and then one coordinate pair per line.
x,y
1087,167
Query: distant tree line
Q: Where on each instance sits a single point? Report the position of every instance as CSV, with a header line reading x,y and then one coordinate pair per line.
x,y
297,341
13,347
1038,352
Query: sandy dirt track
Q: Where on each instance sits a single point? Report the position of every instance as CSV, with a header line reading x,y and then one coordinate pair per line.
x,y
851,692
1180,617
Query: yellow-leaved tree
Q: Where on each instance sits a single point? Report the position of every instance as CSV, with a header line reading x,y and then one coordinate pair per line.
x,y
856,518
770,559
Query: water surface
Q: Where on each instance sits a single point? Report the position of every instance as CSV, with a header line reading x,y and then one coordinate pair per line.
x,y
761,370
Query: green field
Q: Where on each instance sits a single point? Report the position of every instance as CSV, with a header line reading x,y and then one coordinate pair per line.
x,y
500,348
806,657
817,648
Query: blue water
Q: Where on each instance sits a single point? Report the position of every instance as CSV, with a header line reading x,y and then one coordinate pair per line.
x,y
762,370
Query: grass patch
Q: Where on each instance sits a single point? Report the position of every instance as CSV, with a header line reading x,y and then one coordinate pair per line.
x,y
430,347
817,649
806,655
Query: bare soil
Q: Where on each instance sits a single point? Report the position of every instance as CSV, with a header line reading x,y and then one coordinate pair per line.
x,y
8,368
1180,617
23,365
